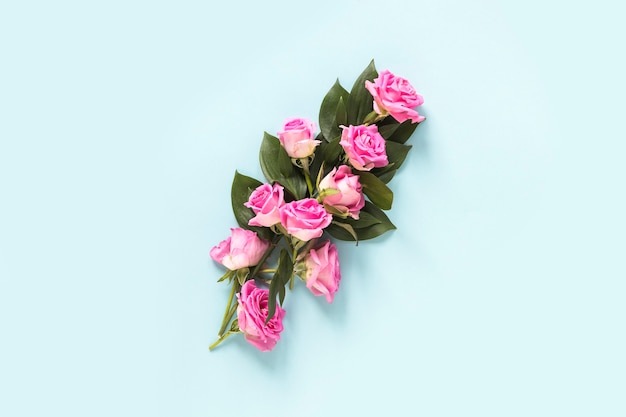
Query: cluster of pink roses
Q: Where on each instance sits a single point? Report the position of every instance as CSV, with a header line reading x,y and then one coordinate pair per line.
x,y
278,214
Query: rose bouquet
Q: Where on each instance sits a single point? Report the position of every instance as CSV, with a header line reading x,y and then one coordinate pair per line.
x,y
318,185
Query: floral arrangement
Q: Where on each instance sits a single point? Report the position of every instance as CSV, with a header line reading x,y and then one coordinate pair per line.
x,y
329,184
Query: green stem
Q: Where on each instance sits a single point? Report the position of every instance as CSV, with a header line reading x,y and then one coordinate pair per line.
x,y
307,175
230,313
267,271
233,310
220,340
294,254
227,313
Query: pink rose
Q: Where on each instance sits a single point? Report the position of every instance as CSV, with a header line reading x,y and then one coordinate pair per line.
x,y
265,201
364,146
242,249
252,313
322,271
305,219
349,200
297,138
396,96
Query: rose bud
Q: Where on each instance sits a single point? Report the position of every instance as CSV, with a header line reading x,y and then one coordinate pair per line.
x,y
298,138
241,250
348,198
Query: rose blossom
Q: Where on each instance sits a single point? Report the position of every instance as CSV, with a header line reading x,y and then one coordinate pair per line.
x,y
297,137
242,249
252,313
305,219
349,200
265,201
322,271
396,96
364,146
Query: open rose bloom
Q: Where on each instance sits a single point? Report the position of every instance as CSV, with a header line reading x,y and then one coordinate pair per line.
x,y
265,201
364,147
241,250
395,96
252,313
305,219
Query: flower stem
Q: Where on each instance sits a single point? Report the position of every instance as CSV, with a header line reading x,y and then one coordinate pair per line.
x,y
220,340
227,318
307,175
294,254
227,314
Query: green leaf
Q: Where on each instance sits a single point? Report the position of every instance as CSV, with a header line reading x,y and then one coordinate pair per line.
x,y
277,167
328,154
396,154
281,294
331,153
242,275
335,212
228,275
360,102
365,220
240,193
330,112
234,327
340,233
388,129
347,228
280,279
364,233
376,190
387,176
341,117
327,192
403,132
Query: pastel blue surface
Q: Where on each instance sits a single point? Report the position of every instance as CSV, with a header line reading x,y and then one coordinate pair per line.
x,y
500,294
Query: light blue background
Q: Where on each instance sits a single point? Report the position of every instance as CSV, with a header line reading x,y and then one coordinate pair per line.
x,y
500,294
